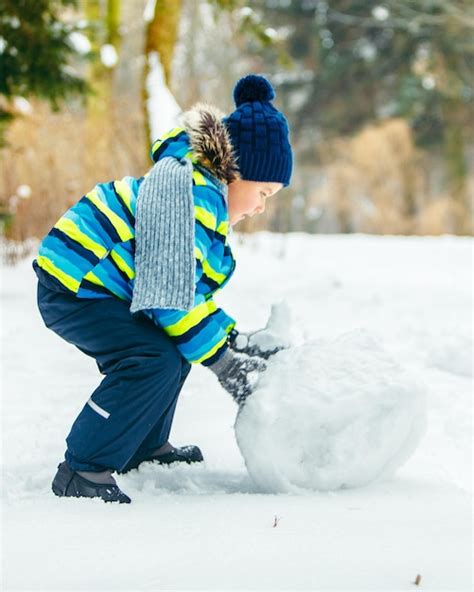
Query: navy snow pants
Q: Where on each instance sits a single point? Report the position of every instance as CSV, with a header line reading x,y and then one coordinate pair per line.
x,y
130,413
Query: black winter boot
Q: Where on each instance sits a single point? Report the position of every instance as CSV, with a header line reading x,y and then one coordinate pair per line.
x,y
188,454
68,483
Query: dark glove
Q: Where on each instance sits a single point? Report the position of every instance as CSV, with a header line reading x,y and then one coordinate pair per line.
x,y
259,343
238,373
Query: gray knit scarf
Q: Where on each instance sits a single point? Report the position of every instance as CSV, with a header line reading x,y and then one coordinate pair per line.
x,y
164,236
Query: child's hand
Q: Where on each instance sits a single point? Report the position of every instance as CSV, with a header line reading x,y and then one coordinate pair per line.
x,y
238,373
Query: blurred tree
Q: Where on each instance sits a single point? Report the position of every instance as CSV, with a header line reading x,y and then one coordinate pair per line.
x,y
373,59
36,51
160,39
162,34
103,28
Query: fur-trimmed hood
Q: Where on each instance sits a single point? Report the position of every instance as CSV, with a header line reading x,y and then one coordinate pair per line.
x,y
202,136
210,141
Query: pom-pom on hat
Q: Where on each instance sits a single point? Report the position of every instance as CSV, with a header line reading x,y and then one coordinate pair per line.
x,y
259,133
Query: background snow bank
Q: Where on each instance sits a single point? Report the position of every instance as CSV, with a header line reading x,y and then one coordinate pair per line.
x,y
330,414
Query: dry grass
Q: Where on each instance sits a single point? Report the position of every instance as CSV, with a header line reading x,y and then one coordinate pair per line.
x,y
59,157
378,182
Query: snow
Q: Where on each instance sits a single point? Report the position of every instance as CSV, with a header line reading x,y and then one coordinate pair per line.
x,y
277,333
80,42
380,13
330,414
23,191
108,55
245,12
149,11
22,105
207,527
163,110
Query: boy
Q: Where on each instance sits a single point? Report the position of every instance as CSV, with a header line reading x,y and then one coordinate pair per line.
x,y
128,275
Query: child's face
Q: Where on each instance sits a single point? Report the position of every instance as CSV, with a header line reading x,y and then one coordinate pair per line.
x,y
246,198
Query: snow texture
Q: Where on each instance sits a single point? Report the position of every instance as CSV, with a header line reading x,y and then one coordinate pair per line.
x,y
277,331
210,527
330,414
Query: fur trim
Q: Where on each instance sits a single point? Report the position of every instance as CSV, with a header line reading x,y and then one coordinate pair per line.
x,y
210,141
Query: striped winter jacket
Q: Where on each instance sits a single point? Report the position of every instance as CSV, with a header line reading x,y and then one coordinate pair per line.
x,y
90,250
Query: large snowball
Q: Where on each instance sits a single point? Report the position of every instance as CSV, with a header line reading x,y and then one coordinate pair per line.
x,y
328,415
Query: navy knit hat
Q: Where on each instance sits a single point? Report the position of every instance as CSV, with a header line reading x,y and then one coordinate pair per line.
x,y
259,133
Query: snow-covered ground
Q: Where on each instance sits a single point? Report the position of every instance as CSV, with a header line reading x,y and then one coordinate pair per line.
x,y
206,527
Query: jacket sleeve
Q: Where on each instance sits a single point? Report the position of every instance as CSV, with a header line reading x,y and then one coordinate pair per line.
x,y
201,333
